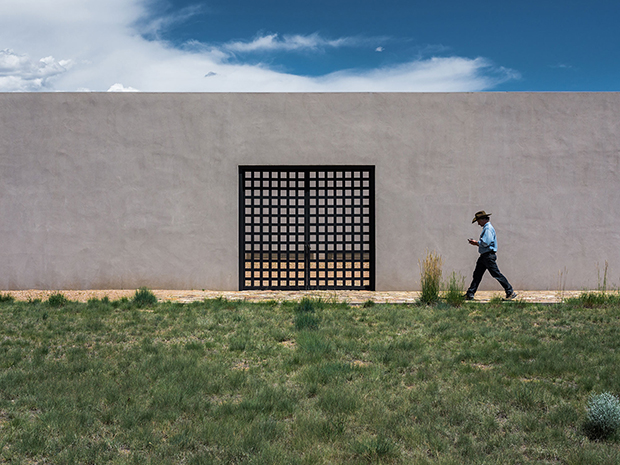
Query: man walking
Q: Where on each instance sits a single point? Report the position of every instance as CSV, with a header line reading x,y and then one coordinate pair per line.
x,y
487,247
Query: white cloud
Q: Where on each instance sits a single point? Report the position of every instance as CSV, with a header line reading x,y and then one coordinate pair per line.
x,y
101,46
152,25
451,74
121,88
273,42
561,66
18,72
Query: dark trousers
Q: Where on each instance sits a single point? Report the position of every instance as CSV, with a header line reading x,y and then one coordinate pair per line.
x,y
487,261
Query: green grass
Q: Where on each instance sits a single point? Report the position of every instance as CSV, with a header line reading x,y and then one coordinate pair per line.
x,y
454,293
223,382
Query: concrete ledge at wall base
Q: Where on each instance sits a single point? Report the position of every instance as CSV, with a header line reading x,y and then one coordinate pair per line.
x,y
351,297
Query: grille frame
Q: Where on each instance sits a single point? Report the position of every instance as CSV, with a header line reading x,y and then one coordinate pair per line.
x,y
307,227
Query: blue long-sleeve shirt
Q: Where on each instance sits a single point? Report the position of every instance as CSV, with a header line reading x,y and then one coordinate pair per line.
x,y
488,239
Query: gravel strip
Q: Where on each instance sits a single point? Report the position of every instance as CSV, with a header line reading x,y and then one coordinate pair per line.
x,y
352,297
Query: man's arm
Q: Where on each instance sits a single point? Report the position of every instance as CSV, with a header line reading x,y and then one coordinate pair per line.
x,y
485,238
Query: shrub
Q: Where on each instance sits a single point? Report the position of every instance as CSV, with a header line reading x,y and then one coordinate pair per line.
x,y
6,298
57,300
603,416
304,314
306,321
144,298
305,305
430,277
455,290
123,301
368,304
592,299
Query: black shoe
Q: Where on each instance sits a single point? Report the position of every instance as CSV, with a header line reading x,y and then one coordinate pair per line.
x,y
511,296
468,297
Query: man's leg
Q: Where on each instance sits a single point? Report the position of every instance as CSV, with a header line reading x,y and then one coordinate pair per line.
x,y
491,265
478,273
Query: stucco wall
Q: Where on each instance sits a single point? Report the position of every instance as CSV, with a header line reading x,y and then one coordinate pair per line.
x,y
128,190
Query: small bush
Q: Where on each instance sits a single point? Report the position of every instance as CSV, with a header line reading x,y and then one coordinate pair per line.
x,y
455,290
6,298
603,416
144,298
430,277
57,300
592,299
304,315
368,304
306,321
120,302
305,305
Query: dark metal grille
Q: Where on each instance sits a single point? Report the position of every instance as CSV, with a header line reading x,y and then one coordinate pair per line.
x,y
306,227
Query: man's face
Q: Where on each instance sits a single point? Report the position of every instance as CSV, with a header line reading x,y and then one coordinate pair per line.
x,y
482,221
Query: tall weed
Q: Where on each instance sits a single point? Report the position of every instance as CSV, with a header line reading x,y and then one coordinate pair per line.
x,y
430,277
602,284
455,290
562,276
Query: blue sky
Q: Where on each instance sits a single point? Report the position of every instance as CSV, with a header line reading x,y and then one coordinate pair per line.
x,y
309,45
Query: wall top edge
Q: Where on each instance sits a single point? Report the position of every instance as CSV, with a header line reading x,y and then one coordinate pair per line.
x,y
127,94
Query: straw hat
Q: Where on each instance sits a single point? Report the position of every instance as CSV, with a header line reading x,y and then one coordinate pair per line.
x,y
481,215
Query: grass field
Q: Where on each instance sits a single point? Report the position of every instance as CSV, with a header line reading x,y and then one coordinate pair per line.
x,y
230,382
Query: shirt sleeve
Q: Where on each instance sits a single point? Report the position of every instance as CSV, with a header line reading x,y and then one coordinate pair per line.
x,y
486,237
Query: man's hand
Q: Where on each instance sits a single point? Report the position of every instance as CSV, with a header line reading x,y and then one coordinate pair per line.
x,y
473,242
